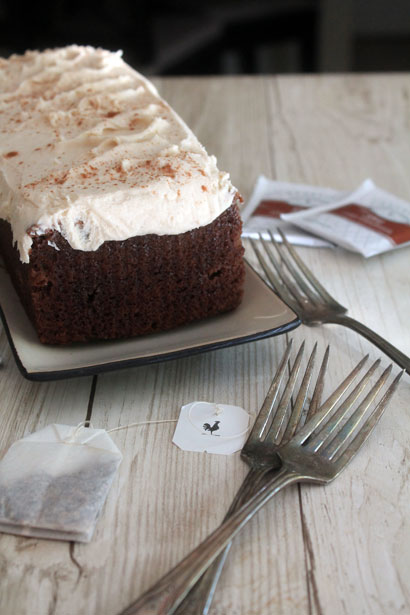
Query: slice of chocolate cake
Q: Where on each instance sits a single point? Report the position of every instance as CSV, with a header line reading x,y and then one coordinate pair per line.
x,y
114,221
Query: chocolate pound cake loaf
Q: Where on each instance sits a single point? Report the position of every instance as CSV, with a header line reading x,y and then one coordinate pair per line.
x,y
114,221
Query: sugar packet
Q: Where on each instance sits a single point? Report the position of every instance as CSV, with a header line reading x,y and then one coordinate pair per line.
x,y
270,199
369,221
53,483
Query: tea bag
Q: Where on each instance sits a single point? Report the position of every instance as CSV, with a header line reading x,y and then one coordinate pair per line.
x,y
54,482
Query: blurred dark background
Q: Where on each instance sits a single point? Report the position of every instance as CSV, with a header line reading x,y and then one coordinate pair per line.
x,y
170,37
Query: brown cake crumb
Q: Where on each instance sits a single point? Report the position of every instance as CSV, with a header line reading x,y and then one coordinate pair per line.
x,y
126,288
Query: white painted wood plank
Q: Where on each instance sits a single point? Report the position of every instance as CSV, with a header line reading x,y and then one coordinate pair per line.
x,y
336,131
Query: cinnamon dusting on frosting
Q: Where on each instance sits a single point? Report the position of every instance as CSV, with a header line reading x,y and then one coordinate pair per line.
x,y
89,138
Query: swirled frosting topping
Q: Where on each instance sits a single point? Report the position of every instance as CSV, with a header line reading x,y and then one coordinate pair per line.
x,y
88,147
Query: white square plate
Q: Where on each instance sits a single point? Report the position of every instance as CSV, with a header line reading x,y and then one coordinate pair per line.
x,y
261,314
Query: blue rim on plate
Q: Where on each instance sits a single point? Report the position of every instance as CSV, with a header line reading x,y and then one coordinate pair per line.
x,y
261,314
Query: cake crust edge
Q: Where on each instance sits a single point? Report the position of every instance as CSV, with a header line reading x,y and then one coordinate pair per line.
x,y
141,285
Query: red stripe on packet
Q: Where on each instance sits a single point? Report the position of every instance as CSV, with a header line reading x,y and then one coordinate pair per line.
x,y
274,209
397,232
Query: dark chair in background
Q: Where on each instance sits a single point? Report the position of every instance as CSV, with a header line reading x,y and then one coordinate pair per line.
x,y
220,36
180,37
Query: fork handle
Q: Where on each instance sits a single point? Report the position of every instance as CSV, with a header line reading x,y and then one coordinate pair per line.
x,y
391,351
198,601
164,597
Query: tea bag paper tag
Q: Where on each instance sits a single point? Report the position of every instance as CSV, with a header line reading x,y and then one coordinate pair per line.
x,y
211,428
54,482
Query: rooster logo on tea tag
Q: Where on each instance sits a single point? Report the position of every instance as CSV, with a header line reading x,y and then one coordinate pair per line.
x,y
206,427
211,428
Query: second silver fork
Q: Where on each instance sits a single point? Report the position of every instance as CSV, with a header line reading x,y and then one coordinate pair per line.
x,y
296,285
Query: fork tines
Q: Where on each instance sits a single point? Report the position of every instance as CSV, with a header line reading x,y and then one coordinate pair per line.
x,y
334,430
281,414
296,285
288,274
338,435
286,405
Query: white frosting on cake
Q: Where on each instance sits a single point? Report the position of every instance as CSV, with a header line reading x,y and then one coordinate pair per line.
x,y
89,148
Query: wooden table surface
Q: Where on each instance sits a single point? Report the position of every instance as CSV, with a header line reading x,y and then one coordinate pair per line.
x,y
342,549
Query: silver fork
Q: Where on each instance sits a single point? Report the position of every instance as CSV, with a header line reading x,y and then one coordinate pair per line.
x,y
318,453
200,598
293,281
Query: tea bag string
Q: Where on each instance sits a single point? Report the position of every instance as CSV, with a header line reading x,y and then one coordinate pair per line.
x,y
142,423
94,435
218,411
72,437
